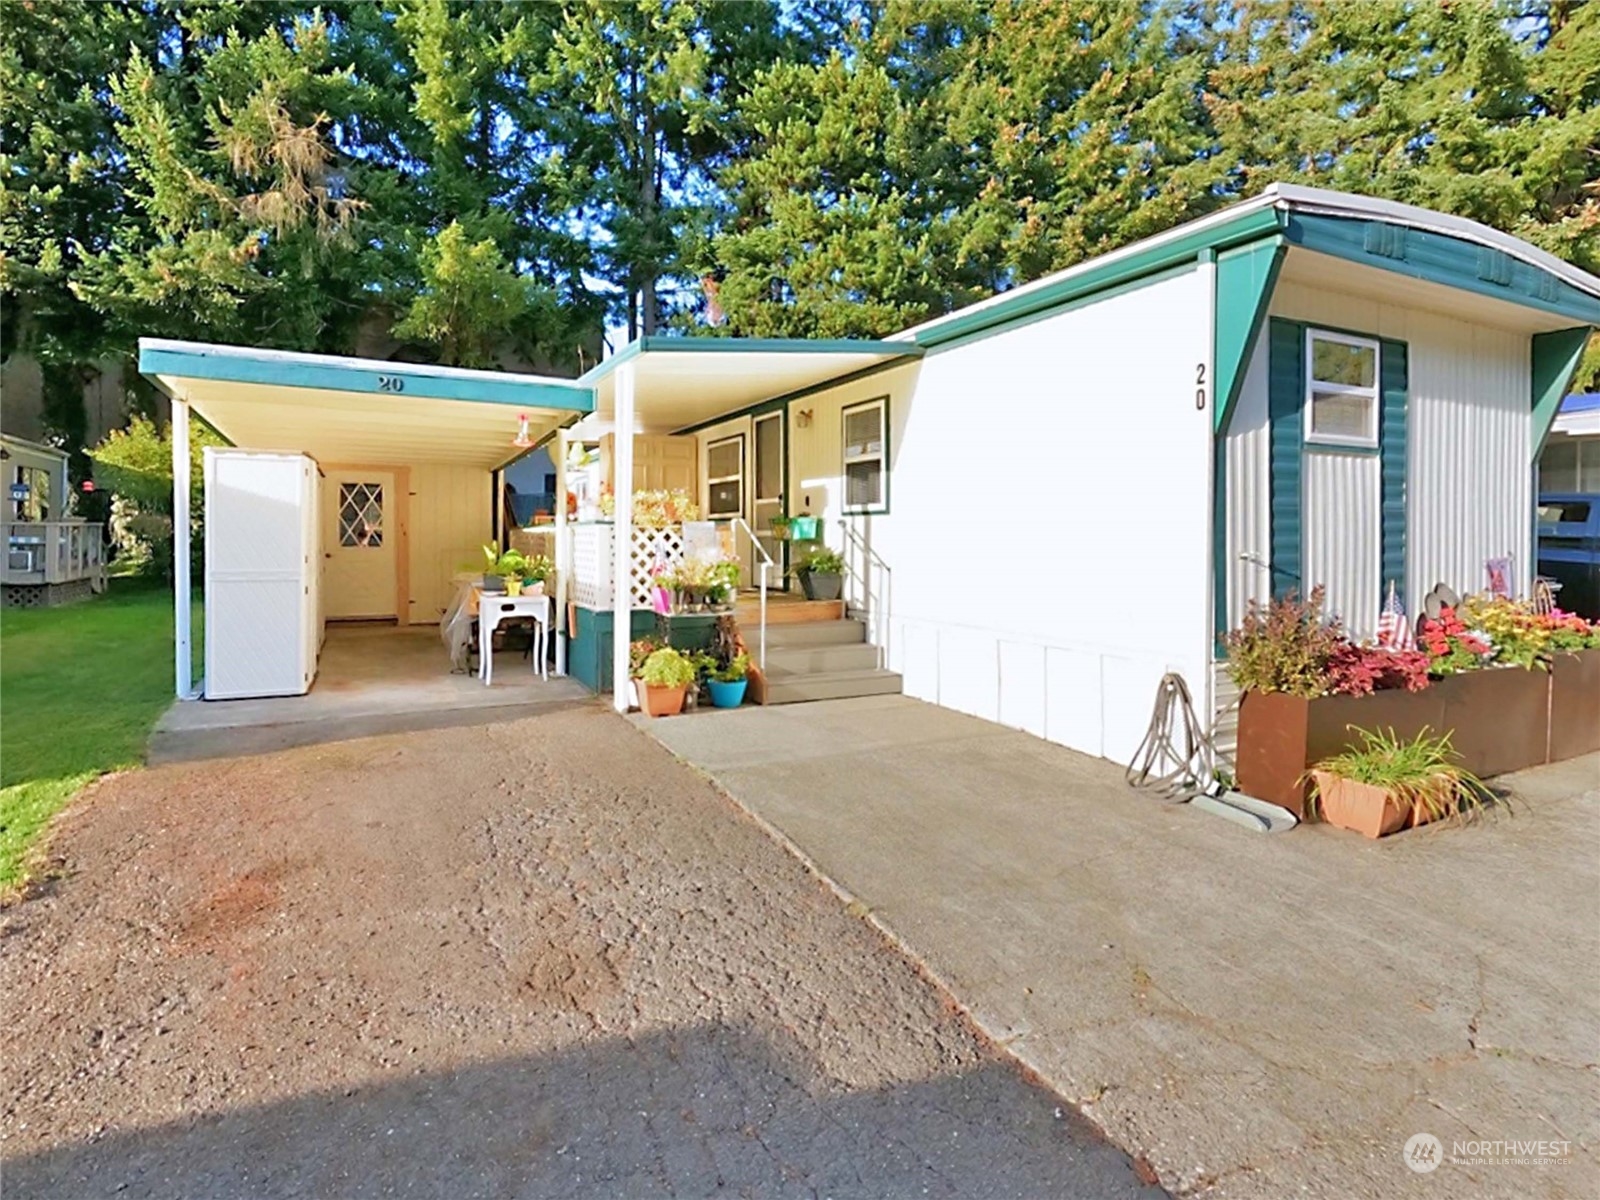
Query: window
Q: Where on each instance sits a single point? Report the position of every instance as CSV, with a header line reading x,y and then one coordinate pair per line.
x,y
1341,389
725,477
866,456
361,515
36,506
1564,512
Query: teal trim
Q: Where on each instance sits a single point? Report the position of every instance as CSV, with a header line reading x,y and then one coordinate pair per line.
x,y
1246,277
276,368
1034,318
1394,377
1452,262
750,410
1555,361
1097,275
1286,351
738,345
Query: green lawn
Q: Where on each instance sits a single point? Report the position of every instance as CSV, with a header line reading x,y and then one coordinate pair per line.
x,y
80,689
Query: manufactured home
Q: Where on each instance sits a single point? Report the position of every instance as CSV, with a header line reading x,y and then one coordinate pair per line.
x,y
1046,501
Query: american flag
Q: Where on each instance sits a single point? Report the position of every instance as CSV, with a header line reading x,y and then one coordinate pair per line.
x,y
1394,631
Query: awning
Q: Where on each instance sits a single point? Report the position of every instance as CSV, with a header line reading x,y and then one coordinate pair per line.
x,y
360,410
682,382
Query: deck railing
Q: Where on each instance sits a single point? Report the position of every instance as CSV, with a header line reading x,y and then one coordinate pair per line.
x,y
41,552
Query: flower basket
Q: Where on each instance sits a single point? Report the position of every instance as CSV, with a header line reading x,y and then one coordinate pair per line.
x,y
727,695
662,701
533,587
1360,807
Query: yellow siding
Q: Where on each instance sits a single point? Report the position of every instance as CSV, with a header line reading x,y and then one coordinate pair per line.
x,y
816,446
451,517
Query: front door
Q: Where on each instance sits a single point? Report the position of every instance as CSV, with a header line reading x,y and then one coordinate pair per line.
x,y
358,536
768,490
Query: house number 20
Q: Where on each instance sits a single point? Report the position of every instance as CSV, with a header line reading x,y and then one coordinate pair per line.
x,y
1200,385
391,383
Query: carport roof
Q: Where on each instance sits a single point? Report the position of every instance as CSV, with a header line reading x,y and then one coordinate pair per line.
x,y
360,410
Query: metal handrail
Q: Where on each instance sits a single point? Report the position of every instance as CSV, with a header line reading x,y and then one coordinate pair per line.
x,y
766,565
854,538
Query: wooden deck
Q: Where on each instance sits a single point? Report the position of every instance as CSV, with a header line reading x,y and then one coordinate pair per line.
x,y
49,562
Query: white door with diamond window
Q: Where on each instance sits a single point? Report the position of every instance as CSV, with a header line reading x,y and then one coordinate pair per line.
x,y
358,548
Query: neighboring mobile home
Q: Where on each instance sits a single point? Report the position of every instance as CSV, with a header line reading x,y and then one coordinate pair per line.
x,y
1050,499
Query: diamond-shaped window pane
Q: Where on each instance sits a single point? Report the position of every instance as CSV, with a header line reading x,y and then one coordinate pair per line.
x,y
361,515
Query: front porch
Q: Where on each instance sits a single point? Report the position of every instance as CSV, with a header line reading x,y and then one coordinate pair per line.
x,y
52,562
371,679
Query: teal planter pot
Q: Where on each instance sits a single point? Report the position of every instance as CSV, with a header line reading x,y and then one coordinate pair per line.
x,y
727,695
802,529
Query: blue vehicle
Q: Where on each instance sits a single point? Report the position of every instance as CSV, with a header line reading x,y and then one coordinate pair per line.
x,y
1569,549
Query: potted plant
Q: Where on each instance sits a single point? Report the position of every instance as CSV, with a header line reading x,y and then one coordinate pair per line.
x,y
1388,783
665,677
502,572
803,528
727,681
822,574
780,527
536,568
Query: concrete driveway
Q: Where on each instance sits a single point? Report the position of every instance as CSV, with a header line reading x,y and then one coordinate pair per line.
x,y
534,959
1259,1016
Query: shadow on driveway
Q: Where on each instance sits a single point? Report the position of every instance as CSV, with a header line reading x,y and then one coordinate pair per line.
x,y
706,1111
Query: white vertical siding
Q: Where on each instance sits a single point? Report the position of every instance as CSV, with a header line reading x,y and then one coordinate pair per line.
x,y
450,519
1470,496
1469,492
1049,525
1340,523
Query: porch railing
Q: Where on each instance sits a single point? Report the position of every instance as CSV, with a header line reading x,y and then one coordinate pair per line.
x,y
869,581
40,552
764,561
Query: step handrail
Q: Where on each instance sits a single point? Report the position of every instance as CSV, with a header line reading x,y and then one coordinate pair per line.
x,y
870,611
766,565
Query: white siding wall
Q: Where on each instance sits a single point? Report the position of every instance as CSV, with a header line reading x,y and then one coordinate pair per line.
x,y
450,518
1469,483
1340,508
1048,531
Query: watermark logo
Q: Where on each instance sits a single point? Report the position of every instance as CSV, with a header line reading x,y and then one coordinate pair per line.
x,y
1423,1153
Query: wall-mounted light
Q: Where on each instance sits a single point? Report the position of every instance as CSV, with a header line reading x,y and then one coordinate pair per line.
x,y
524,439
802,419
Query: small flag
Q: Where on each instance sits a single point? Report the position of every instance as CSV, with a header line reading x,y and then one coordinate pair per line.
x,y
1394,631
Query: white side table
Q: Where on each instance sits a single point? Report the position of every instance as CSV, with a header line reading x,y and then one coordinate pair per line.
x,y
493,609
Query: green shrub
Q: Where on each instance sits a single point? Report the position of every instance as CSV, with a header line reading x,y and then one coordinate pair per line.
x,y
667,668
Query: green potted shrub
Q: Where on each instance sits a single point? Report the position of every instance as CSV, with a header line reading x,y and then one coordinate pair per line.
x,y
664,679
822,574
503,572
727,681
1388,783
780,527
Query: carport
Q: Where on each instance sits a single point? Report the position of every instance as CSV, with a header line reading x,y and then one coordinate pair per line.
x,y
420,446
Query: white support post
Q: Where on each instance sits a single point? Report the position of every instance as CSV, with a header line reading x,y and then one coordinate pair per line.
x,y
183,658
563,553
622,537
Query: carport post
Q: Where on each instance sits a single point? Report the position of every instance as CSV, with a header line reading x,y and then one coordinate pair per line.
x,y
622,537
183,661
563,551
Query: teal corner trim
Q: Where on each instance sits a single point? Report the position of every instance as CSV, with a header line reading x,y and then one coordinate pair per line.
x,y
1097,275
1246,276
1393,429
1286,351
1555,361
276,368
1449,261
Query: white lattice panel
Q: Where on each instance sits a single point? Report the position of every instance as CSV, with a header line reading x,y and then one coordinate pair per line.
x,y
653,551
591,566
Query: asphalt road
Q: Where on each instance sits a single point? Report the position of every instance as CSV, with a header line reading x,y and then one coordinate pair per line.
x,y
535,959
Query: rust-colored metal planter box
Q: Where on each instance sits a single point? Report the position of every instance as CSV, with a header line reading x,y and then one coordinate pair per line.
x,y
1574,705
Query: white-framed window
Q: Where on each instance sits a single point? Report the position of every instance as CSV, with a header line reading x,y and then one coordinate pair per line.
x,y
866,456
725,477
1341,389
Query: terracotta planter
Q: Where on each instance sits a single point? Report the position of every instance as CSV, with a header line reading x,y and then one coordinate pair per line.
x,y
1574,705
1361,807
663,701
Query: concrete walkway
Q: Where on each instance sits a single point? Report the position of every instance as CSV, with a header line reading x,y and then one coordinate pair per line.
x,y
1258,1016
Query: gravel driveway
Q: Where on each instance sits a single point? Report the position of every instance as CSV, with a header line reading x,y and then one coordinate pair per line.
x,y
533,959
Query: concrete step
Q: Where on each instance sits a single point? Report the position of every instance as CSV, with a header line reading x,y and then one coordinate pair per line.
x,y
831,685
806,633
812,659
